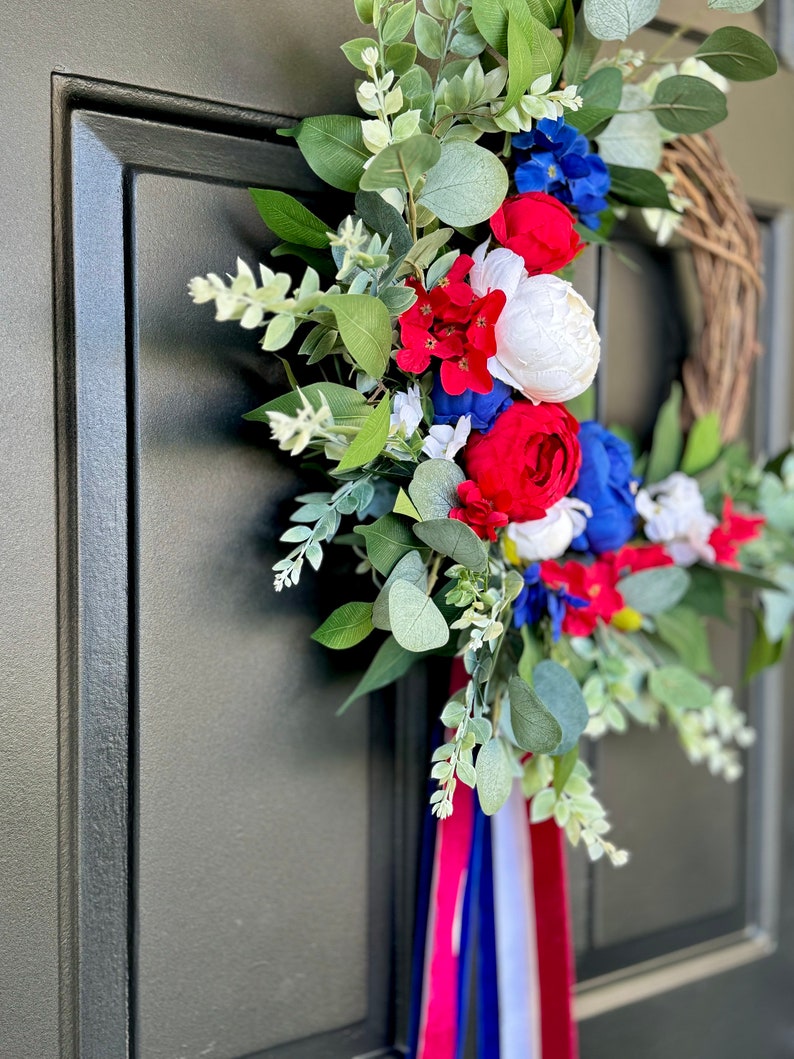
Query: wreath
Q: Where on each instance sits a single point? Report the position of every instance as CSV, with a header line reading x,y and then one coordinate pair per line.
x,y
436,349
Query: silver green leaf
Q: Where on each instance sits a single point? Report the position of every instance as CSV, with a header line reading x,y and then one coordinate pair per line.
x,y
466,186
560,693
402,164
494,770
535,728
656,590
738,54
455,539
410,568
618,19
688,104
434,488
416,622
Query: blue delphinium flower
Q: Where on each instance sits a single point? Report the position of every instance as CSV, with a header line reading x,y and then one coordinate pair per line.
x,y
535,600
482,407
606,483
555,158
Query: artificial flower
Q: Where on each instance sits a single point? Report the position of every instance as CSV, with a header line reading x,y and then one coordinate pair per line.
x,y
531,453
451,323
607,485
676,516
481,408
733,531
547,345
535,600
444,442
407,413
556,158
547,537
483,514
539,229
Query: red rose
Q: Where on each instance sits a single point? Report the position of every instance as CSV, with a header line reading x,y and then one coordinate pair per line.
x,y
531,453
538,228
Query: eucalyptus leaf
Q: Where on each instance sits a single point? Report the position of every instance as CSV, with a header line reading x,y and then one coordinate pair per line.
x,y
387,540
706,593
656,590
347,625
600,100
535,728
451,537
369,442
466,186
365,328
779,605
688,104
333,146
410,568
289,219
633,137
402,164
618,19
738,54
348,406
736,7
416,622
494,776
434,488
560,693
389,664
679,688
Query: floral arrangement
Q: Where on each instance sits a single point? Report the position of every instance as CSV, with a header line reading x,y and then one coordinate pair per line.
x,y
444,352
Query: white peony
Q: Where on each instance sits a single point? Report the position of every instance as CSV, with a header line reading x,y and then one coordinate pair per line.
x,y
547,346
676,516
550,536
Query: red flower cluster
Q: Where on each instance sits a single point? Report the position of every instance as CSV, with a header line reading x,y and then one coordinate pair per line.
x,y
734,531
528,460
597,583
538,228
448,322
482,514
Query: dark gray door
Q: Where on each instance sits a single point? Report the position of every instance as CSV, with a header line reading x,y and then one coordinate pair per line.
x,y
197,858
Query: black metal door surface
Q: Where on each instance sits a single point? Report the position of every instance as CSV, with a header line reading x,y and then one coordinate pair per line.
x,y
183,872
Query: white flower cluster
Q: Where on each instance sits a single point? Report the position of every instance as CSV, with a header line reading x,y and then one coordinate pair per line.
x,y
378,97
676,516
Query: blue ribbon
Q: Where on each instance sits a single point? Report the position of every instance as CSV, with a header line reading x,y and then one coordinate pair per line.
x,y
487,982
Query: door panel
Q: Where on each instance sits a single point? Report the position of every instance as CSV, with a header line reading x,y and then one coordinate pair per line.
x,y
215,787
